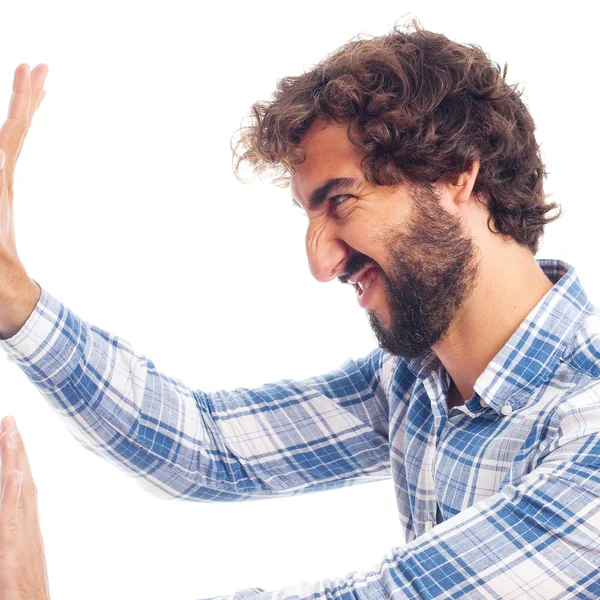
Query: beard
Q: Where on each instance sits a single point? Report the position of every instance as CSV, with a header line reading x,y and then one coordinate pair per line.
x,y
433,269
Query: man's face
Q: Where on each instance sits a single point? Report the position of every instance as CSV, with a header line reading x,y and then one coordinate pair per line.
x,y
411,261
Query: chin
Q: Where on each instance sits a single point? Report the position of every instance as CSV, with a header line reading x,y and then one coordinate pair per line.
x,y
378,322
381,312
384,321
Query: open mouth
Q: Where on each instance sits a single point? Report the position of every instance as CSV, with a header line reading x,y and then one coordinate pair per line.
x,y
366,279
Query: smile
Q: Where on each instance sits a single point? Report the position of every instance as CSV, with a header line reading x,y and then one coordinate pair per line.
x,y
363,280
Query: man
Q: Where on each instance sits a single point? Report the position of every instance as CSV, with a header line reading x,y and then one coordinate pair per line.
x,y
419,172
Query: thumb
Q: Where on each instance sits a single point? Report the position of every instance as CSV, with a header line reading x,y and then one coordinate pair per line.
x,y
4,203
2,179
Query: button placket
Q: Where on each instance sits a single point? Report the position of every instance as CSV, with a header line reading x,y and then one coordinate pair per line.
x,y
435,391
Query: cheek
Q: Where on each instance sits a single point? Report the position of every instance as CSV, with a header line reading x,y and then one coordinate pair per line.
x,y
364,240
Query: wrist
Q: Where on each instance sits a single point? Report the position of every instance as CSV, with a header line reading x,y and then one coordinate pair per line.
x,y
17,305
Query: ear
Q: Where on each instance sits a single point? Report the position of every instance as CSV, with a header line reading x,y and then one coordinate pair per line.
x,y
460,192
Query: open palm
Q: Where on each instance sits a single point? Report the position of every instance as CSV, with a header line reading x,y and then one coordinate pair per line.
x,y
28,92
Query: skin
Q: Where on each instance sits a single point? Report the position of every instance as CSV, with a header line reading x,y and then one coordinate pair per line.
x,y
433,266
23,574
505,281
388,226
18,292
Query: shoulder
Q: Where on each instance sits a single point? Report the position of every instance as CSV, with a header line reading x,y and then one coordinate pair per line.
x,y
577,407
583,351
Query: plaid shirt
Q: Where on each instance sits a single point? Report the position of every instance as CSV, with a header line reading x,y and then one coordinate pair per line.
x,y
499,498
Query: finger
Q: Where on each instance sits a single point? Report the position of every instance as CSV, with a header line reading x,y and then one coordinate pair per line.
x,y
38,79
19,102
42,96
5,217
8,423
9,458
14,449
15,457
14,128
9,509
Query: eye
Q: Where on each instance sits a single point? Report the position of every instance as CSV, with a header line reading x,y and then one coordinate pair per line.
x,y
337,200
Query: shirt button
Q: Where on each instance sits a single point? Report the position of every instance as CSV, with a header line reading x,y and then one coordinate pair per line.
x,y
506,409
483,403
428,525
9,358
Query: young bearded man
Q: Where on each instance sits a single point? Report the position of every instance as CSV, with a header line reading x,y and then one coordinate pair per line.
x,y
418,169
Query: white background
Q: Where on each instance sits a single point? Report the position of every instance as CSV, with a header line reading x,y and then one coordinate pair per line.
x,y
127,210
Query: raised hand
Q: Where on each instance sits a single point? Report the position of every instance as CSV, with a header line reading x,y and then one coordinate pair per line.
x,y
23,573
18,292
28,93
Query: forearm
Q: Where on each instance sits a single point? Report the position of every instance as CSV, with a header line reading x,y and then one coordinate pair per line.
x,y
536,539
227,445
117,404
16,305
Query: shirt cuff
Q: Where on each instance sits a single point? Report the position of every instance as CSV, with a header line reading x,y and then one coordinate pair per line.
x,y
51,343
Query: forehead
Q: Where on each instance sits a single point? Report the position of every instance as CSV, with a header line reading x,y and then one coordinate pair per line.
x,y
329,154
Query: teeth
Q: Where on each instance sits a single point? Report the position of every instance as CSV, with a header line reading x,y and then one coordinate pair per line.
x,y
363,286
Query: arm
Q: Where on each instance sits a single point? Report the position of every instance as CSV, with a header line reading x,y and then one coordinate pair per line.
x,y
280,439
537,540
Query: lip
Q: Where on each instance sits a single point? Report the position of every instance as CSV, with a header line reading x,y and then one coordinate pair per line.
x,y
369,277
357,276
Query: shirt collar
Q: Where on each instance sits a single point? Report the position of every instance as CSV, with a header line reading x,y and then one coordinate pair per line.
x,y
533,352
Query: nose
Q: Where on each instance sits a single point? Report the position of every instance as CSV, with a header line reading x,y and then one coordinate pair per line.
x,y
326,255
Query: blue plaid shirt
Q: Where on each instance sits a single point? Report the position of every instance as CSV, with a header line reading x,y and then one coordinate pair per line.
x,y
499,498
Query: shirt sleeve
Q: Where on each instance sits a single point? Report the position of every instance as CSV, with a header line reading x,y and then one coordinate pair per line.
x,y
538,540
284,438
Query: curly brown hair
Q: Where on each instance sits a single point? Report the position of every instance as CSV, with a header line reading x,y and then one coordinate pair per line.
x,y
422,108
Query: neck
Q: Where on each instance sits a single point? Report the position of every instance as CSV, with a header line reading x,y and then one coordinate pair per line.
x,y
510,285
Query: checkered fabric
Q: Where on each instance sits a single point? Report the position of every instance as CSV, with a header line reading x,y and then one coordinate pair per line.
x,y
499,498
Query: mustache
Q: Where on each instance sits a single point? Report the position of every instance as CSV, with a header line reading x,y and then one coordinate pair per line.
x,y
355,263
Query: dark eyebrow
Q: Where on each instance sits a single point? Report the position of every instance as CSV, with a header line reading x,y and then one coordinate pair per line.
x,y
331,185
